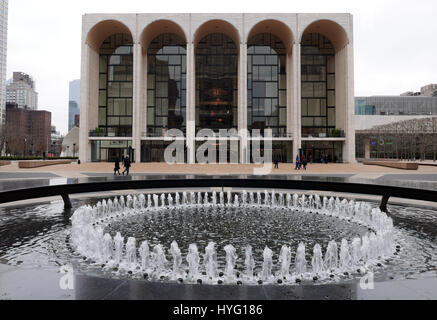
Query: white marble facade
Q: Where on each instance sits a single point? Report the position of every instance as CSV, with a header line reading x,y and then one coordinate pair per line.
x,y
289,27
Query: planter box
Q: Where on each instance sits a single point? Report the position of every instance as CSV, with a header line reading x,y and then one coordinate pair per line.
x,y
394,164
38,164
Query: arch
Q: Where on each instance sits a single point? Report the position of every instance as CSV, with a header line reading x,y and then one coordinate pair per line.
x,y
159,27
275,27
104,29
331,30
217,26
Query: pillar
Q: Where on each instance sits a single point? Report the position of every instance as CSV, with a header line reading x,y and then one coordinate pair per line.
x,y
84,146
242,105
191,104
137,101
295,99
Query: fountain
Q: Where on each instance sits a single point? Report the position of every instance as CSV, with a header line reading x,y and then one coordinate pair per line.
x,y
193,259
91,239
231,258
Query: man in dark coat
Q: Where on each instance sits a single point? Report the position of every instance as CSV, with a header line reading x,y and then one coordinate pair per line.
x,y
127,165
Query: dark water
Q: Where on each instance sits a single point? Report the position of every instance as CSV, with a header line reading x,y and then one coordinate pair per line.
x,y
238,227
35,236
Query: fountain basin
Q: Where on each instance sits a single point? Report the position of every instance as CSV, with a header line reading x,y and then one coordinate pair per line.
x,y
226,221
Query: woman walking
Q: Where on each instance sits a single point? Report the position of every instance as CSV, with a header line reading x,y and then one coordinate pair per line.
x,y
117,167
297,163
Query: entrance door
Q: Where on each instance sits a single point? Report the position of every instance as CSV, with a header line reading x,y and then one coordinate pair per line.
x,y
316,154
115,154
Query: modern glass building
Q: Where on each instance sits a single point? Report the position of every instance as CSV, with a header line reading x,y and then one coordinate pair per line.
x,y
396,105
285,77
396,127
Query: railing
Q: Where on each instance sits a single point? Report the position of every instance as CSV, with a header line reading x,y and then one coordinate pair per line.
x,y
185,182
331,134
103,134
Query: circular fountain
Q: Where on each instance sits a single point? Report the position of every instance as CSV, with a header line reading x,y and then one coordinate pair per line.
x,y
245,238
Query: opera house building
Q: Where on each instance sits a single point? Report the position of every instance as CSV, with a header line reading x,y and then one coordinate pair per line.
x,y
289,77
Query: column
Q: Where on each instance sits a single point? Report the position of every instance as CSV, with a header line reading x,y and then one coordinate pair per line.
x,y
349,154
137,101
367,148
84,146
296,100
242,105
191,104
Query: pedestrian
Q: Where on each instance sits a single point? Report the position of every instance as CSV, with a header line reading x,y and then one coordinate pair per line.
x,y
117,167
276,163
297,163
304,163
127,165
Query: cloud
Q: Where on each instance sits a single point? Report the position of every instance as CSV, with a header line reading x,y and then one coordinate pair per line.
x,y
395,45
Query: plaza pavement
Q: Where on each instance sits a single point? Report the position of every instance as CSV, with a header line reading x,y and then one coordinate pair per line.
x,y
425,173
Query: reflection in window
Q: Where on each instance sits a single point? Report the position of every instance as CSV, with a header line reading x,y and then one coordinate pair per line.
x,y
267,83
115,85
216,83
166,83
318,85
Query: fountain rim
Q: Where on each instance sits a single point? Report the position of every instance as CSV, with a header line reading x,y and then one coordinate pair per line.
x,y
156,207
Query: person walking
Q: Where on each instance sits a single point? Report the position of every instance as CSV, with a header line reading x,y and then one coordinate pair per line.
x,y
127,165
117,167
297,163
304,163
276,163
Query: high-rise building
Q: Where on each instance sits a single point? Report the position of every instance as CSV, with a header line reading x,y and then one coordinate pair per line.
x,y
73,103
21,92
3,53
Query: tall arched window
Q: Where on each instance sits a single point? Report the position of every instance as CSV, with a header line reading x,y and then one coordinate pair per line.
x,y
216,83
166,85
115,85
318,85
267,84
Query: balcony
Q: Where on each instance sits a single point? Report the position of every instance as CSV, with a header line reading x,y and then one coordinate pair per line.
x,y
337,133
159,133
102,133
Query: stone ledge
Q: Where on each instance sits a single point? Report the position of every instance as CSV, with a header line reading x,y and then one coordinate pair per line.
x,y
5,163
38,164
394,164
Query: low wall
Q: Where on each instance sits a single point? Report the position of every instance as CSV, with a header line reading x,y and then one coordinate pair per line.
x,y
38,164
5,163
394,164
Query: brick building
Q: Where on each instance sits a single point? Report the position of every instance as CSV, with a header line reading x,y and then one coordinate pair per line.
x,y
27,132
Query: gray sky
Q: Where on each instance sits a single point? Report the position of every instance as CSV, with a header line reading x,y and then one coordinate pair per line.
x,y
395,41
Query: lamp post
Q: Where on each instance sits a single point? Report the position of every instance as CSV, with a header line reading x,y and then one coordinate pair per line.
x,y
68,150
74,150
25,147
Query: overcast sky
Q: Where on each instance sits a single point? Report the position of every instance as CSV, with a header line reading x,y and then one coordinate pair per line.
x,y
395,41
